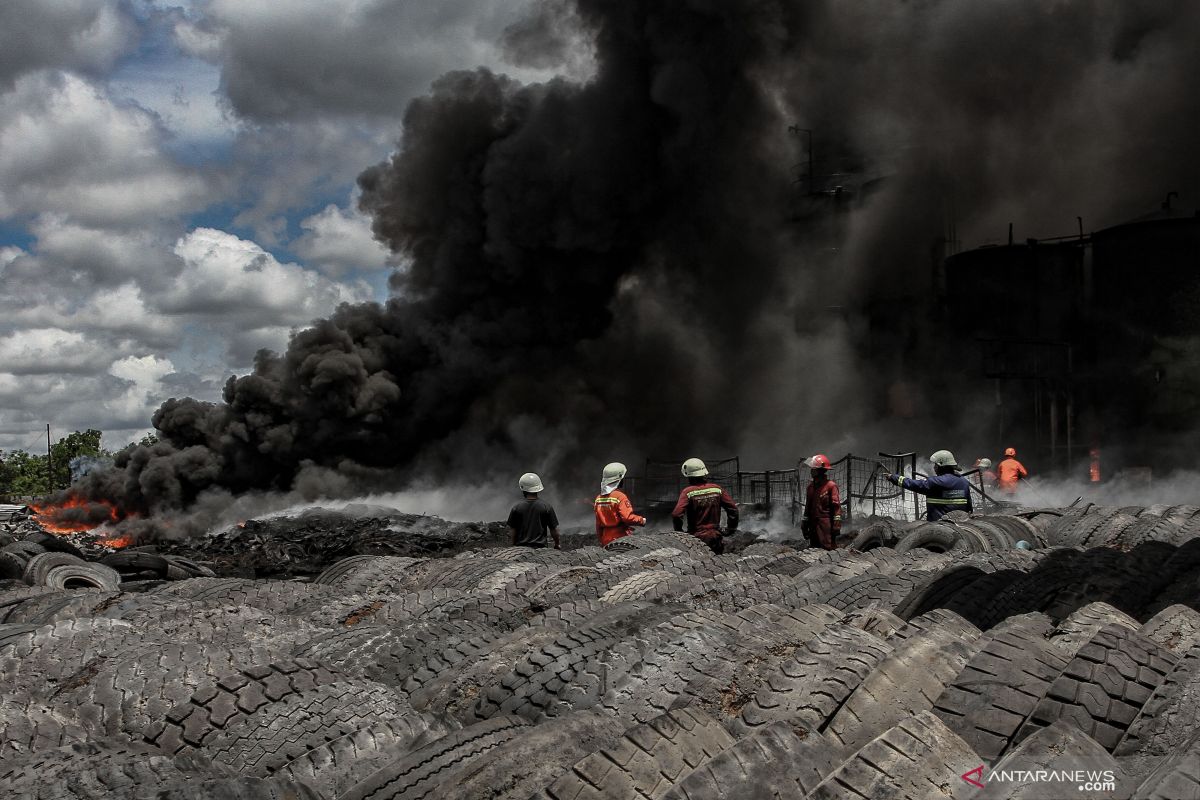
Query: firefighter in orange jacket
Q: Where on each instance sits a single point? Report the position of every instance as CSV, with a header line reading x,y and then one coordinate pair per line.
x,y
822,505
614,512
1010,472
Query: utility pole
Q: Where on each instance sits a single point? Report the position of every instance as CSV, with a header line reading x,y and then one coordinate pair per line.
x,y
49,463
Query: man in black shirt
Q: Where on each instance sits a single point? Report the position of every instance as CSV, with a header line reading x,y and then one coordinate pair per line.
x,y
531,518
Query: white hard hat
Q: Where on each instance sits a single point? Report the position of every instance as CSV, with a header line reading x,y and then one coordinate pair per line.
x,y
694,468
985,463
943,458
530,483
613,474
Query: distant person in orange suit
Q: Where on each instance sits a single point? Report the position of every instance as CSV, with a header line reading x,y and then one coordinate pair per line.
x,y
1010,472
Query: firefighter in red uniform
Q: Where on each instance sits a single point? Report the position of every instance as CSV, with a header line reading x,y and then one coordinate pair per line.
x,y
822,505
614,513
701,502
986,476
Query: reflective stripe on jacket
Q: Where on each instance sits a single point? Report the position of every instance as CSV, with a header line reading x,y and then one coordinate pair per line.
x,y
701,505
614,516
943,493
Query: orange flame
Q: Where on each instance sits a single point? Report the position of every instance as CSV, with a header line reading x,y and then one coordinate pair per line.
x,y
56,517
117,542
1094,467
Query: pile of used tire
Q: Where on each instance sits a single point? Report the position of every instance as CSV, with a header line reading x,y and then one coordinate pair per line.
x,y
649,669
43,559
1087,526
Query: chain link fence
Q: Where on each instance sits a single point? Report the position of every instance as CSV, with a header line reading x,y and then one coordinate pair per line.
x,y
867,493
772,492
659,485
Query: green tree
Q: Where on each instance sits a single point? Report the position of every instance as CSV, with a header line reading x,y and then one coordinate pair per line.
x,y
23,474
72,446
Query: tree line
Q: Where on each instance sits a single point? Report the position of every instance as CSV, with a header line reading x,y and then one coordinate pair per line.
x,y
25,474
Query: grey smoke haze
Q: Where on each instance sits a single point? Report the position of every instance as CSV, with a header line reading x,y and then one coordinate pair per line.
x,y
606,269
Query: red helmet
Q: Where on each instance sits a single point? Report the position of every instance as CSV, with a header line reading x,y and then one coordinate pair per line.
x,y
1011,452
819,461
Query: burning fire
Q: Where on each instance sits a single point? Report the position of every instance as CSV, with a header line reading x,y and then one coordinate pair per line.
x,y
1094,467
117,542
76,515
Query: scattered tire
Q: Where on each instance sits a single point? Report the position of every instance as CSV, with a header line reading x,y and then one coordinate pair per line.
x,y
1058,749
82,576
263,742
934,537
1000,687
1176,628
536,756
648,760
1167,720
335,766
225,702
917,759
132,562
779,760
906,682
1177,776
40,565
811,686
1077,630
420,773
1102,689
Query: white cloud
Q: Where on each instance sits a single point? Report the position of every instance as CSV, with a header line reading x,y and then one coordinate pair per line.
x,y
228,277
110,304
340,241
66,148
46,351
143,390
67,251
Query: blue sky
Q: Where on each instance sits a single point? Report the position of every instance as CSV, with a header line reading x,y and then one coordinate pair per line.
x,y
177,185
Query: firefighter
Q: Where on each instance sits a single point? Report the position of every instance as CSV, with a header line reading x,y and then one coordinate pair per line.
x,y
532,518
1010,472
614,513
701,502
986,476
945,492
822,505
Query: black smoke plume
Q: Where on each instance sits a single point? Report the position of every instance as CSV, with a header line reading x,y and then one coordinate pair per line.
x,y
641,263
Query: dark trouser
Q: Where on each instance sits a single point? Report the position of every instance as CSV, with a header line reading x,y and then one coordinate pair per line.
x,y
820,535
712,538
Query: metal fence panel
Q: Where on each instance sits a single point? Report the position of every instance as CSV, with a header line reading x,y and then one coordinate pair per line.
x,y
860,479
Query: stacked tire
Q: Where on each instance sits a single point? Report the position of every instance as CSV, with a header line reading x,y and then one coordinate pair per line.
x,y
651,669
